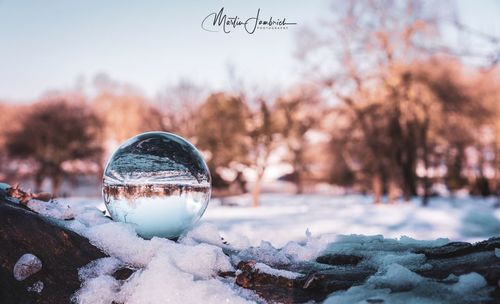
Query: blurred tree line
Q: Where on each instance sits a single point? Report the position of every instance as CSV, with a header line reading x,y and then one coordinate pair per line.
x,y
386,109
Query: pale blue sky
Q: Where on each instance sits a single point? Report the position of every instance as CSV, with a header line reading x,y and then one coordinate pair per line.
x,y
48,44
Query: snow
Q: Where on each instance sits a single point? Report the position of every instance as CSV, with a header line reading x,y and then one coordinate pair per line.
x,y
27,265
283,218
380,253
395,283
284,230
166,268
37,287
161,279
397,278
265,253
205,233
400,285
53,209
276,272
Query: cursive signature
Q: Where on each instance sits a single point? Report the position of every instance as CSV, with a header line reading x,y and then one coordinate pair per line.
x,y
213,22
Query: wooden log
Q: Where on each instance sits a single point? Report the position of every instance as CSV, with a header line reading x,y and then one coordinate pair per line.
x,y
61,252
334,272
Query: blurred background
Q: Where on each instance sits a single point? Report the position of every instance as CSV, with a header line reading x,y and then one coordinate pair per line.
x,y
369,102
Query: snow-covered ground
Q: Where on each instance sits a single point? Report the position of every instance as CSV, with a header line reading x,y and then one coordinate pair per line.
x,y
283,218
297,228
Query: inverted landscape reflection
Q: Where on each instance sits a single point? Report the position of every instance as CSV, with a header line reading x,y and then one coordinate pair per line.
x,y
158,182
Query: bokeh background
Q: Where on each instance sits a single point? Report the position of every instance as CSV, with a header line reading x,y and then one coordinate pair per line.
x,y
362,103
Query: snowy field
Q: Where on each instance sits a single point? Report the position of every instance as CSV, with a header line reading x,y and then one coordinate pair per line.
x,y
284,218
297,228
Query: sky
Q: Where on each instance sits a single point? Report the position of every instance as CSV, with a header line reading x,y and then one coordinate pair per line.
x,y
55,44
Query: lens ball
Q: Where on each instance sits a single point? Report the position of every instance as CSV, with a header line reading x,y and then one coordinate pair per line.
x,y
158,182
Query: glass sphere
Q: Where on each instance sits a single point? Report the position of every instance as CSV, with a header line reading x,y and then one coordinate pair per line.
x,y
157,181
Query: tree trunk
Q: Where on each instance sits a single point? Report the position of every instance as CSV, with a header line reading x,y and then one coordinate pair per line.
x,y
298,171
392,191
377,188
257,189
425,158
299,182
409,162
56,184
299,185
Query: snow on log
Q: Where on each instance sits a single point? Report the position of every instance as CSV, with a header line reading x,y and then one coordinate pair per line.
x,y
381,270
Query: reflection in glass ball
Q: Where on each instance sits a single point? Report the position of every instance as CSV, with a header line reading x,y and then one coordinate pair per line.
x,y
157,181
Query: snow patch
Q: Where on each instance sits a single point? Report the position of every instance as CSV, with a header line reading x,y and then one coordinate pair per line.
x,y
397,278
277,272
37,287
469,283
400,285
265,253
54,209
165,269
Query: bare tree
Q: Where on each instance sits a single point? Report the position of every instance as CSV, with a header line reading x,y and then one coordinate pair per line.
x,y
264,136
377,48
179,106
299,111
125,113
10,120
222,132
55,131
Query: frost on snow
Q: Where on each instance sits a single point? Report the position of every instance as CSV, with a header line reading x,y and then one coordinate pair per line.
x,y
27,265
186,271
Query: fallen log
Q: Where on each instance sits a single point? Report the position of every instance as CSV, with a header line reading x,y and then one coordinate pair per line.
x,y
334,272
60,251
